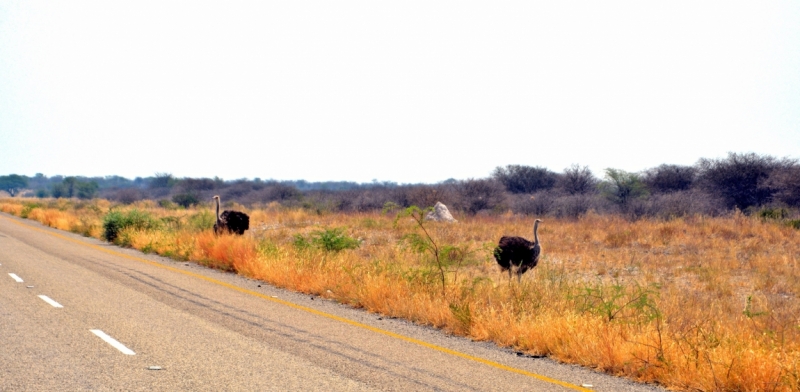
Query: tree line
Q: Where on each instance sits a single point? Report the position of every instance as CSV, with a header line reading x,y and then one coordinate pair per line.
x,y
743,181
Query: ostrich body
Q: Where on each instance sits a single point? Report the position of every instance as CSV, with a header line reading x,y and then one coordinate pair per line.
x,y
234,222
518,252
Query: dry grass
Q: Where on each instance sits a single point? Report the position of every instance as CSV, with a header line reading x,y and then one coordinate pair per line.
x,y
694,304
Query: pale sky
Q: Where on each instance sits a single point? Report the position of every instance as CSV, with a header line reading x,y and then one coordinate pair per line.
x,y
404,91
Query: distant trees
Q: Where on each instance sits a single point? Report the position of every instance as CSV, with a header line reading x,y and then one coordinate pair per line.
x,y
669,178
128,195
73,187
525,179
744,181
785,183
163,180
474,195
13,183
741,180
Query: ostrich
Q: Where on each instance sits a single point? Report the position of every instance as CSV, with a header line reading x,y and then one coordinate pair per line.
x,y
230,221
519,252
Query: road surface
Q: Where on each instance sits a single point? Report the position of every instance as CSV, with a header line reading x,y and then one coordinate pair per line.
x,y
80,314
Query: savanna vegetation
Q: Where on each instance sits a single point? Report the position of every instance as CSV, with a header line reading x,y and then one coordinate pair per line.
x,y
682,275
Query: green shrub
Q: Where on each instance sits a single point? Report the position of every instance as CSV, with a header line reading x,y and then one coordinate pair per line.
x,y
333,240
172,222
267,248
185,200
773,213
116,221
203,220
300,242
633,303
621,187
28,207
166,204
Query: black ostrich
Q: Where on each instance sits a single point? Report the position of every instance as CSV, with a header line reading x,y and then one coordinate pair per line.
x,y
519,252
230,221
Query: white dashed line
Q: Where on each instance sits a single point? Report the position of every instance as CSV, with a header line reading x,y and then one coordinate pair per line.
x,y
50,301
15,277
113,342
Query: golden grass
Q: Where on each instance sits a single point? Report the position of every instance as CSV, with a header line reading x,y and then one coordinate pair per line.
x,y
694,304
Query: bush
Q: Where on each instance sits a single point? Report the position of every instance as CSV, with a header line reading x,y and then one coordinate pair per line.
x,y
670,178
740,179
621,187
525,179
785,183
28,207
683,203
576,206
166,204
128,195
203,220
539,204
116,221
477,195
281,192
331,240
162,180
185,200
577,180
773,213
300,242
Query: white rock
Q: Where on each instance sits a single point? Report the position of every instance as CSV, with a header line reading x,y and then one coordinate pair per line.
x,y
440,213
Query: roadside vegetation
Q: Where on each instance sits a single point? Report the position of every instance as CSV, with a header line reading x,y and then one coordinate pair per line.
x,y
692,301
682,275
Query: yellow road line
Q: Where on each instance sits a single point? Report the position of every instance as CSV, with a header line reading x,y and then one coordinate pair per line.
x,y
315,311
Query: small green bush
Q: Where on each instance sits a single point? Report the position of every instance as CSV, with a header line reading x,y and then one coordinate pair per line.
x,y
203,220
166,204
185,200
300,242
28,207
116,221
773,213
331,240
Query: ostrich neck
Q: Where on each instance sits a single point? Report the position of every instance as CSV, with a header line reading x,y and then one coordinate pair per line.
x,y
217,209
536,233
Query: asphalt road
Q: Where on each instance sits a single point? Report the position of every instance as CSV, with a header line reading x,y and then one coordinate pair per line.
x,y
79,314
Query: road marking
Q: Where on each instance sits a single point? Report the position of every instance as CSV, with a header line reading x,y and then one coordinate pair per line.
x,y
15,277
113,342
50,301
422,343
